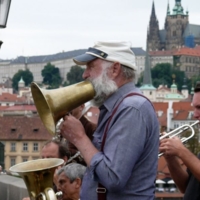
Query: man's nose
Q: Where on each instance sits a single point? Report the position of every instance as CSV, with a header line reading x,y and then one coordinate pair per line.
x,y
85,74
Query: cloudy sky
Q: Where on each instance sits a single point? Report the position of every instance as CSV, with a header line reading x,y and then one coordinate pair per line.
x,y
43,27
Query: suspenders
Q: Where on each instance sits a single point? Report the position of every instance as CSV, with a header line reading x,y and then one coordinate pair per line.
x,y
101,190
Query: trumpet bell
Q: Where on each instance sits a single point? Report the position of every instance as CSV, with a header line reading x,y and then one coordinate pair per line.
x,y
38,176
54,104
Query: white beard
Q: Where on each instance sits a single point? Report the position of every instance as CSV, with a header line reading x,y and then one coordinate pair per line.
x,y
103,87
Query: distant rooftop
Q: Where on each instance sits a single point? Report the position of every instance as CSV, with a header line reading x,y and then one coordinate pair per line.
x,y
138,51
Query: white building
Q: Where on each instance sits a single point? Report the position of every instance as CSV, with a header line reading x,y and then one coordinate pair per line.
x,y
63,61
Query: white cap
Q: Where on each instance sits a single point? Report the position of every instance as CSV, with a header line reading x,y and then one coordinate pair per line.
x,y
112,51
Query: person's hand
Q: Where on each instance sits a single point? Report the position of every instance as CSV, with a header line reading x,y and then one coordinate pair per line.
x,y
72,129
171,146
26,198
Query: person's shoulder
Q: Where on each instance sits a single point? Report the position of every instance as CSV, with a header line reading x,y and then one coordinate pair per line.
x,y
137,100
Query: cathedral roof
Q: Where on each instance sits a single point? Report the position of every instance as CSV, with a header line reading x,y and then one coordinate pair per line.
x,y
162,34
192,29
138,51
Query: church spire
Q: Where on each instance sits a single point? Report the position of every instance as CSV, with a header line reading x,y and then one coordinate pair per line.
x,y
147,71
168,8
153,37
153,13
178,9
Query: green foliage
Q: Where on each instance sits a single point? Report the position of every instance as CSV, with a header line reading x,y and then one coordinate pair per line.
x,y
193,143
162,75
51,76
75,75
193,81
26,75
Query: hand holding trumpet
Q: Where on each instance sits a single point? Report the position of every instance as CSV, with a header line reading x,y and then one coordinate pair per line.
x,y
72,129
171,146
168,146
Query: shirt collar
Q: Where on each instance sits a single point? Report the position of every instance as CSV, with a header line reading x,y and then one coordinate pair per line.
x,y
119,94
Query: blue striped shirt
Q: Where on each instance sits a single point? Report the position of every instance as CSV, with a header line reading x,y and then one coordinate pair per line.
x,y
127,167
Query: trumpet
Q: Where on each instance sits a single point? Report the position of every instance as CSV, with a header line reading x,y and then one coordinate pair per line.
x,y
179,131
59,195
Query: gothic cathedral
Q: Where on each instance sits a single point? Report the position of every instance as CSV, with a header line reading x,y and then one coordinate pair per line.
x,y
177,31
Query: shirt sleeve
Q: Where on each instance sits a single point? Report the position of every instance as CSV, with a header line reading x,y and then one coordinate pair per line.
x,y
124,145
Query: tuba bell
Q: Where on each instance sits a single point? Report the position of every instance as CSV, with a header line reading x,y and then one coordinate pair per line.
x,y
54,104
38,177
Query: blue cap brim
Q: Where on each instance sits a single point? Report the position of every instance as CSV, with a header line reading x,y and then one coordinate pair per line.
x,y
87,57
84,59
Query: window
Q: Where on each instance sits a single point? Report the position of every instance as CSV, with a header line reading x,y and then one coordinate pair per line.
x,y
13,146
35,146
35,158
24,159
13,130
176,125
12,161
25,147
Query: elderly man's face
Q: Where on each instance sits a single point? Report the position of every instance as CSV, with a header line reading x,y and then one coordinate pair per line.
x,y
99,73
93,69
70,190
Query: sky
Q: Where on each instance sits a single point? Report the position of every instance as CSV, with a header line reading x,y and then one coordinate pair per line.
x,y
44,27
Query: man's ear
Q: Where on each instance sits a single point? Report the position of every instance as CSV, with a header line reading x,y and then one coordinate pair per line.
x,y
116,69
77,182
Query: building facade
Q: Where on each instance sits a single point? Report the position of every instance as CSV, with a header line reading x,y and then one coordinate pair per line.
x,y
177,30
63,61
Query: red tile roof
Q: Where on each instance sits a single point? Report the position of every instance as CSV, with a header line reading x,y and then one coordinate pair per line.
x,y
188,51
160,106
19,108
162,53
181,115
182,106
7,97
3,107
176,52
22,128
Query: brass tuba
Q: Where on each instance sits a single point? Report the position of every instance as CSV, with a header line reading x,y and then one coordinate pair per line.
x,y
38,177
54,104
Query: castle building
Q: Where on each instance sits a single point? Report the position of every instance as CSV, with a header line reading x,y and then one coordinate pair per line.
x,y
177,30
162,93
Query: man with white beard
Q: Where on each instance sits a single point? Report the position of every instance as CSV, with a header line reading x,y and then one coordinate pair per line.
x,y
122,158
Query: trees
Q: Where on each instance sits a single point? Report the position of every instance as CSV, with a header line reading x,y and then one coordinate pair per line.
x,y
162,75
75,75
193,143
26,75
51,76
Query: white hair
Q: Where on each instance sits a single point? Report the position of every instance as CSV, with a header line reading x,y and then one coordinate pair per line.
x,y
73,171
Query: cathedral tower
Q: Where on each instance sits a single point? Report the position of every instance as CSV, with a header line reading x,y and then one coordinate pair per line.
x,y
175,25
153,31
